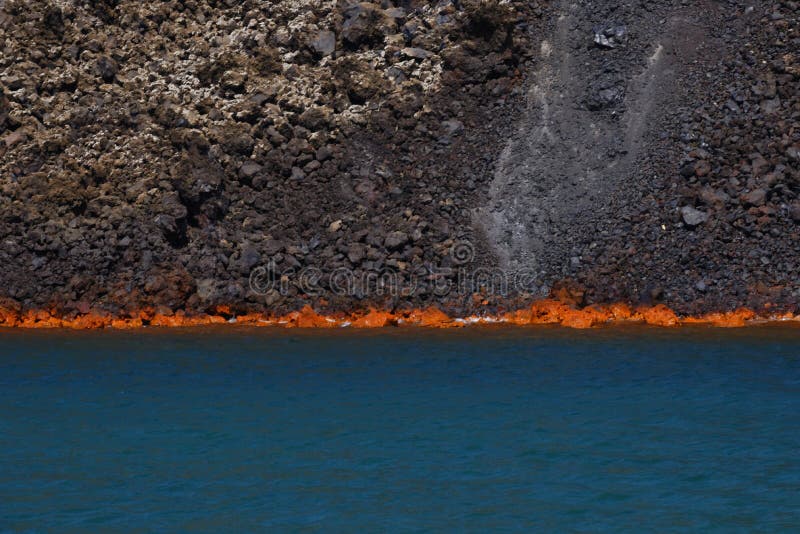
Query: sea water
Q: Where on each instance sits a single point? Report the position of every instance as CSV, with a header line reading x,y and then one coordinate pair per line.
x,y
480,430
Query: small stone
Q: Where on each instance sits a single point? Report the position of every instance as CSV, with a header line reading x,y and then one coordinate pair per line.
x,y
605,94
239,144
107,68
759,166
315,118
416,53
363,24
395,240
249,257
702,168
271,247
794,212
356,252
396,75
395,12
693,217
656,293
14,137
233,81
687,171
325,43
609,37
771,106
323,153
701,286
335,226
298,174
206,289
757,197
249,169
54,20
453,127
603,41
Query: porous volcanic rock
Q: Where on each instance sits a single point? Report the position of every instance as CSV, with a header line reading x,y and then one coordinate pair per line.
x,y
154,153
261,156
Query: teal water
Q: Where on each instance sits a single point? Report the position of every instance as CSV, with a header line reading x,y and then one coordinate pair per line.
x,y
534,430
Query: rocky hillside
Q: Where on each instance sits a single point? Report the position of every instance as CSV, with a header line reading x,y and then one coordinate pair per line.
x,y
716,221
263,155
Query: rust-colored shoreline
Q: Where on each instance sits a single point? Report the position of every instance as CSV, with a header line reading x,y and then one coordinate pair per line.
x,y
546,312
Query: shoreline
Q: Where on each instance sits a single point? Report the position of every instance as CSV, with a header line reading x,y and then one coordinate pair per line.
x,y
545,312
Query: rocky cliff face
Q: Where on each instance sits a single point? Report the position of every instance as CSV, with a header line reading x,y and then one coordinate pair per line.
x,y
263,155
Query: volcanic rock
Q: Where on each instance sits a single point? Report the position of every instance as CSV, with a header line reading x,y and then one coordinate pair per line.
x,y
756,197
325,43
395,240
693,217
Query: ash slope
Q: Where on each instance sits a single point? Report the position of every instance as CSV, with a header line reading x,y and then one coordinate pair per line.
x,y
589,106
709,219
156,154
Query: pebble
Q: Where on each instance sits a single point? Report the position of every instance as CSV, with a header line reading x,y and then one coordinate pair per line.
x,y
693,217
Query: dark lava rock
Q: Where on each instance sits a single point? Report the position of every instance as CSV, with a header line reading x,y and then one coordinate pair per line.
x,y
364,23
794,212
107,68
325,43
604,93
323,153
702,168
272,247
356,252
757,197
249,169
395,240
249,257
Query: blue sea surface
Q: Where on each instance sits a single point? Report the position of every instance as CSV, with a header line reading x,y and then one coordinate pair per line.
x,y
478,430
